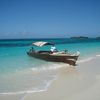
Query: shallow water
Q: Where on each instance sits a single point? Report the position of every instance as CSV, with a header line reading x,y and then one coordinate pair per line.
x,y
20,73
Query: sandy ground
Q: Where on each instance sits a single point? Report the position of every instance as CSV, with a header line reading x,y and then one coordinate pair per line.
x,y
81,82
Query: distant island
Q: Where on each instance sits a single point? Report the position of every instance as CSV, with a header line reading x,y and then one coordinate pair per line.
x,y
79,37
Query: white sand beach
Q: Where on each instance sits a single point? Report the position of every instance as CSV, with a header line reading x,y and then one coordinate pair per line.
x,y
81,82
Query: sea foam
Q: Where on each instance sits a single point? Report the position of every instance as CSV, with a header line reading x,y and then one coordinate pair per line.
x,y
52,66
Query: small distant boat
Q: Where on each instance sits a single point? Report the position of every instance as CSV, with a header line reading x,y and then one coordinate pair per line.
x,y
59,56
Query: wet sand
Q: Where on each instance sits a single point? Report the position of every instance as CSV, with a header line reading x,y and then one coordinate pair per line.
x,y
81,82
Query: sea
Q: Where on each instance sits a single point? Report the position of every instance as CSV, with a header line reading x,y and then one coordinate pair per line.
x,y
20,73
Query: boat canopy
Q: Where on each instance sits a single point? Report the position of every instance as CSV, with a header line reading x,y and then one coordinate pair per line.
x,y
42,43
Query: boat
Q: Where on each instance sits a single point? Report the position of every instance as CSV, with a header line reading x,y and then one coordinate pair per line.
x,y
58,56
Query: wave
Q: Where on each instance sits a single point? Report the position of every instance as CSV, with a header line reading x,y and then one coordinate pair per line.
x,y
31,91
50,66
23,92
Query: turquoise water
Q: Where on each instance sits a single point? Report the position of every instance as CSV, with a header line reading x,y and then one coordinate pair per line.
x,y
20,73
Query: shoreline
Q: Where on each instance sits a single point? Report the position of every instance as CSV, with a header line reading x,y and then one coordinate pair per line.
x,y
73,83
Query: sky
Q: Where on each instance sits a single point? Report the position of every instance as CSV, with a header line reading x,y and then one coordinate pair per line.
x,y
49,18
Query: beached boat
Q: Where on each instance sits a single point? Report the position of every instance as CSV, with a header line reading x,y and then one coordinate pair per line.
x,y
58,56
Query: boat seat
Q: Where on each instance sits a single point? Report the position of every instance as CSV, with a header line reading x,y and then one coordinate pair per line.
x,y
45,52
